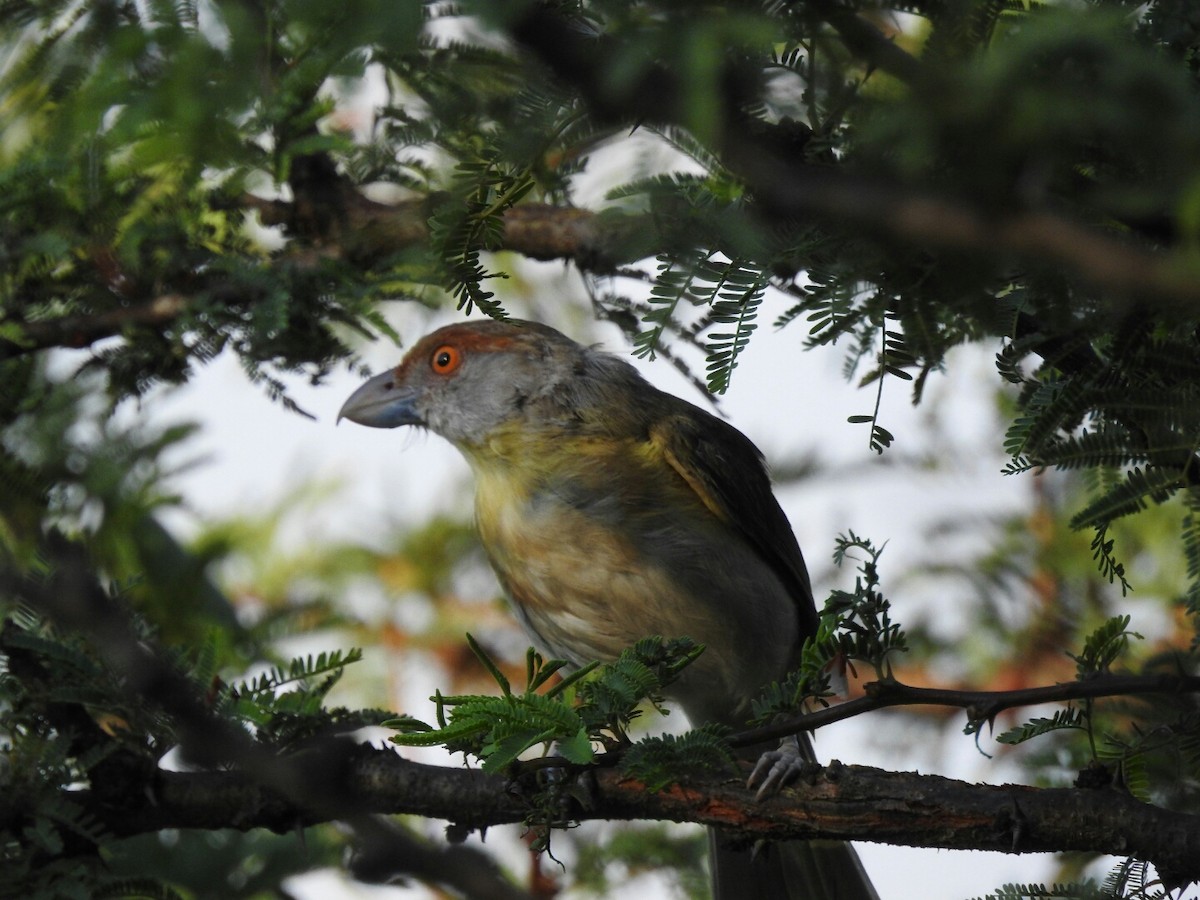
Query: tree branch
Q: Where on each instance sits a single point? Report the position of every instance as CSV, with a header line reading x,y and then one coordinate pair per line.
x,y
981,706
537,230
836,802
84,330
601,242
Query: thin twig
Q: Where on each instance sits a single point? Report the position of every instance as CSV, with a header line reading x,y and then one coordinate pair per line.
x,y
981,706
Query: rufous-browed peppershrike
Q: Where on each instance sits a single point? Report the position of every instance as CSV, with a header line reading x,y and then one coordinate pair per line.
x,y
610,511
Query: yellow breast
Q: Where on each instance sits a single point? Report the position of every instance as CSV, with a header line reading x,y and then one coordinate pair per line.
x,y
577,580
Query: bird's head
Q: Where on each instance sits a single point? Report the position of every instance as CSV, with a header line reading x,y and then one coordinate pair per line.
x,y
465,381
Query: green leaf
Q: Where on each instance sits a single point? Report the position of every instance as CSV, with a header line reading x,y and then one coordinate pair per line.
x,y
1069,718
661,761
1103,646
576,748
489,664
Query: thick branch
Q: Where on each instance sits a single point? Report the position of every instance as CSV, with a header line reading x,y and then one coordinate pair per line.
x,y
373,230
369,233
842,802
914,215
603,241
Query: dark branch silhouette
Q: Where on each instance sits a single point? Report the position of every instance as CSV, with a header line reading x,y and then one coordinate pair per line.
x,y
981,706
836,801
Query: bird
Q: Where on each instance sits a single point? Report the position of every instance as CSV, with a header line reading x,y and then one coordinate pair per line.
x,y
611,511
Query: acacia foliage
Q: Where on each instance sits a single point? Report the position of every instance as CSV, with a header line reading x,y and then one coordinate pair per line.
x,y
991,171
997,170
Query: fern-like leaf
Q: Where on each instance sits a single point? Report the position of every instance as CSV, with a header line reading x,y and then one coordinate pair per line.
x,y
662,761
1068,718
1140,487
1103,646
738,306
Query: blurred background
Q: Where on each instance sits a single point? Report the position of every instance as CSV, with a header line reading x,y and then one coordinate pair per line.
x,y
194,280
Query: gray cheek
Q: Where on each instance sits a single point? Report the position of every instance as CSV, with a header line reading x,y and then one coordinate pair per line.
x,y
439,422
466,413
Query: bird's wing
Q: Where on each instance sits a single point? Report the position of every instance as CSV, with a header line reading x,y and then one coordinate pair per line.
x,y
727,472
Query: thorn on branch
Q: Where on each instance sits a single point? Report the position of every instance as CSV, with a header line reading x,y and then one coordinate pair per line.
x,y
1016,824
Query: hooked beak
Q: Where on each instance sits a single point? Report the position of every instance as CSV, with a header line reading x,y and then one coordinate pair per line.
x,y
381,403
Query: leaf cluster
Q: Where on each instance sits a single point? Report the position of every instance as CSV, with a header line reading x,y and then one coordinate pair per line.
x,y
591,704
131,137
855,625
1148,749
569,716
1130,879
1081,891
70,723
730,292
1127,415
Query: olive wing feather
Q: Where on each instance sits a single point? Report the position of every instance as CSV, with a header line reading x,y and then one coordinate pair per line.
x,y
727,472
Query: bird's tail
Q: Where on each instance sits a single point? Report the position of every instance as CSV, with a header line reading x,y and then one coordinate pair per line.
x,y
790,870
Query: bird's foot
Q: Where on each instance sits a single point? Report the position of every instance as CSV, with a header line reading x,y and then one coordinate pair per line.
x,y
778,768
564,788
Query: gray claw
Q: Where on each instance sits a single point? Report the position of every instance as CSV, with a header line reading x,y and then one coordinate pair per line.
x,y
777,768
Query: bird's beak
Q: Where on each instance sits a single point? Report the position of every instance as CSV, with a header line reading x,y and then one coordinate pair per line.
x,y
382,403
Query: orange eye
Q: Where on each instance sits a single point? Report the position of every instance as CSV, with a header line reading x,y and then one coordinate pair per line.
x,y
445,359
